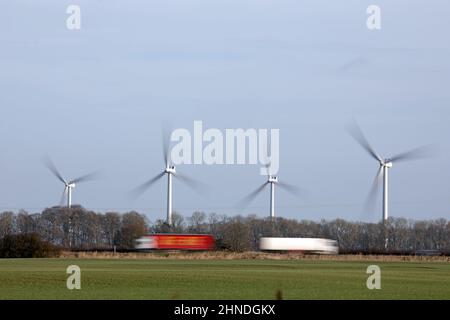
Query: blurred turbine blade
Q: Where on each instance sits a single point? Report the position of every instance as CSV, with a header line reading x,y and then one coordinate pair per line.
x,y
417,153
87,177
51,166
194,184
267,163
136,192
166,133
63,197
296,191
369,204
249,198
267,167
357,134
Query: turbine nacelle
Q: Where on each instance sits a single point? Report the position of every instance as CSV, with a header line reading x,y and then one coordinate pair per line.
x,y
272,179
386,163
70,185
170,169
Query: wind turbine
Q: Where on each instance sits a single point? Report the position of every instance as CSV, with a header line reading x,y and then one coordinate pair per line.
x,y
385,165
171,172
68,184
272,180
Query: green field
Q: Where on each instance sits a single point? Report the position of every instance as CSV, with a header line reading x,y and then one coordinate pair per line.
x,y
221,279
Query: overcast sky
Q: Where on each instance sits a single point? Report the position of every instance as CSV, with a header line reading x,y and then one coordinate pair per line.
x,y
96,98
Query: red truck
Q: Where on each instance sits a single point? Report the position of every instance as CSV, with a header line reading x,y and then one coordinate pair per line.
x,y
190,242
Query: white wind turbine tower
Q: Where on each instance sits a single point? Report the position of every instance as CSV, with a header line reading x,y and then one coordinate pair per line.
x,y
385,165
272,180
171,172
68,184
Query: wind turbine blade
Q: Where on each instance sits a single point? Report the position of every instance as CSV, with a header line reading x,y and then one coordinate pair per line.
x,y
166,145
249,198
417,153
87,177
373,193
136,192
296,191
267,162
267,166
51,166
357,134
191,182
63,197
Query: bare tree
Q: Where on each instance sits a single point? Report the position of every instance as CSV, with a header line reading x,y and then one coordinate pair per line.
x,y
6,223
236,235
197,222
111,226
133,226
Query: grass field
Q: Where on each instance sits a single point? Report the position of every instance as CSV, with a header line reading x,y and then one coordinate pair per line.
x,y
221,279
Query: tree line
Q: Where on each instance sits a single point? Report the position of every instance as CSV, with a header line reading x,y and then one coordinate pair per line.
x,y
80,229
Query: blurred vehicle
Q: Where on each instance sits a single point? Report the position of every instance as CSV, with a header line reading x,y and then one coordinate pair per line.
x,y
308,245
190,242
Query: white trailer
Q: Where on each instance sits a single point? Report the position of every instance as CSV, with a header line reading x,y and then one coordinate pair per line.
x,y
310,245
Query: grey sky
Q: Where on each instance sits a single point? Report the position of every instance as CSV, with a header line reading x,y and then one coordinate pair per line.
x,y
96,98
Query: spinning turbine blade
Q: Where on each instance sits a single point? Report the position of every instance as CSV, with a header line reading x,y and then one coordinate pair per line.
x,y
191,182
267,166
87,177
356,132
417,153
248,199
267,163
166,145
296,191
143,187
51,166
373,193
63,197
